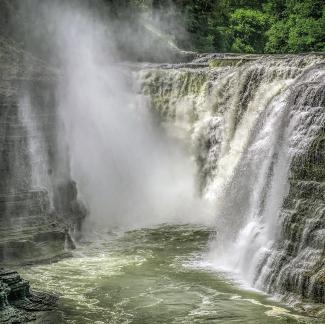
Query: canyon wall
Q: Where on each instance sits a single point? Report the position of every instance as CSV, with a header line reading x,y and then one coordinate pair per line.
x,y
38,199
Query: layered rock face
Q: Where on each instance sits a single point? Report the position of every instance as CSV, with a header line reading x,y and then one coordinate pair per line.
x,y
255,126
298,260
18,303
39,209
38,199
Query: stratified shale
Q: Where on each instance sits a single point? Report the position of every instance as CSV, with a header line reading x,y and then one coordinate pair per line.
x,y
38,199
39,209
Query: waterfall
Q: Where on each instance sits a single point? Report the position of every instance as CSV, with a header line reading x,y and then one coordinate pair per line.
x,y
261,180
250,122
303,268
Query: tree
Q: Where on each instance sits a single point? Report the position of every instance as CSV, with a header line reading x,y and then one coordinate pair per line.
x,y
301,28
248,27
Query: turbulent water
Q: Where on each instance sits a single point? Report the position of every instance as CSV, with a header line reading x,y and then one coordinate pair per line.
x,y
151,276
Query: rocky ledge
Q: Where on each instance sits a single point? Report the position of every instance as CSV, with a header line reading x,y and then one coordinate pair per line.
x,y
18,303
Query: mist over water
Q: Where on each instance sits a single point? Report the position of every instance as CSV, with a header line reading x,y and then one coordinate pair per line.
x,y
128,170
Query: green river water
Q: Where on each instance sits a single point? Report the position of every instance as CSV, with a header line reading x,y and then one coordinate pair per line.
x,y
149,276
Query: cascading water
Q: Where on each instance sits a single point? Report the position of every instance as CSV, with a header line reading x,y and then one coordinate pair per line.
x,y
250,118
302,270
261,178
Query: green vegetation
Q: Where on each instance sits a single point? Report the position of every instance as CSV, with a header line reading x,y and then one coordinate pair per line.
x,y
250,26
240,26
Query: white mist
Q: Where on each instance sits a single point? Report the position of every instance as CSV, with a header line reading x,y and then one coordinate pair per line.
x,y
129,173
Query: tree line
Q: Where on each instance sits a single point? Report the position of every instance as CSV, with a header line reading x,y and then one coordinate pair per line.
x,y
247,26
242,26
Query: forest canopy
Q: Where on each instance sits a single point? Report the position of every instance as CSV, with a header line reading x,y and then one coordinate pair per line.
x,y
249,26
242,26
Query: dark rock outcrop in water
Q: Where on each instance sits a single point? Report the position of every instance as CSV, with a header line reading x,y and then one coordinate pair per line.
x,y
18,304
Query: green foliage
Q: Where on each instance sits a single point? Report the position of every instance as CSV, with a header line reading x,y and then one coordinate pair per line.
x,y
248,28
302,30
252,26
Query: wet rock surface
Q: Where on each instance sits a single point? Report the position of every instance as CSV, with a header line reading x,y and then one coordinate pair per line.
x,y
38,199
18,303
39,208
297,260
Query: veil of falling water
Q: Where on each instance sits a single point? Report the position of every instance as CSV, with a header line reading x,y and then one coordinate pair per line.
x,y
211,146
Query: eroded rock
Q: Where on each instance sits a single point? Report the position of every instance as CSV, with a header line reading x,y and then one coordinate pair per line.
x,y
18,303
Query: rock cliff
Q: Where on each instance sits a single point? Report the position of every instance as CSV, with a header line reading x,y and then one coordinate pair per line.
x,y
39,209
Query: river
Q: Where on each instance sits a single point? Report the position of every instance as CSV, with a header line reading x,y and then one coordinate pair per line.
x,y
149,276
